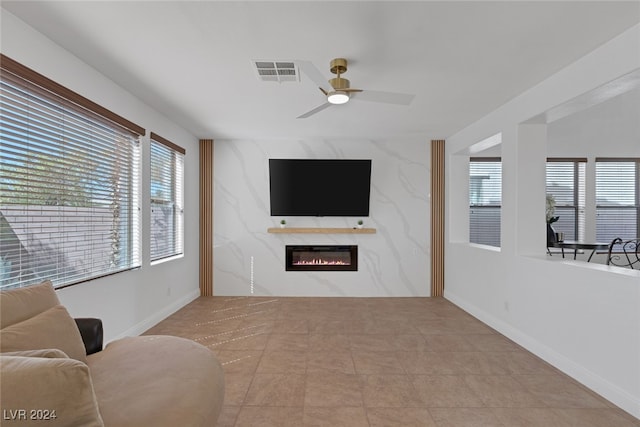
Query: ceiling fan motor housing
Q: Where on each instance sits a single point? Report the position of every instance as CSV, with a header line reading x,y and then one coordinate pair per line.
x,y
339,66
339,83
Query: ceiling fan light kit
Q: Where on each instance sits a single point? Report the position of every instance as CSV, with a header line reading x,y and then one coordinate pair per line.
x,y
338,90
338,97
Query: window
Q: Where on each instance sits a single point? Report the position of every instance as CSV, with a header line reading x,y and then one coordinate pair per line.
x,y
566,183
485,199
69,184
167,229
617,199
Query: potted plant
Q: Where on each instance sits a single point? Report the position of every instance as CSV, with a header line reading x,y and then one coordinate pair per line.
x,y
360,223
283,223
551,218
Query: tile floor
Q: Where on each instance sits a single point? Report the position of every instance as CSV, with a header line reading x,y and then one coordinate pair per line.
x,y
378,362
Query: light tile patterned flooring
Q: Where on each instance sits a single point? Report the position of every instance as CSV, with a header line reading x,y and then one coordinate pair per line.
x,y
378,362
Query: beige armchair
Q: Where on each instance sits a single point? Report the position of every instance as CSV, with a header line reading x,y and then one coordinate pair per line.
x,y
46,377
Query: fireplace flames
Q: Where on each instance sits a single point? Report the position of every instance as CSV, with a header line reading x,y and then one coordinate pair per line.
x,y
321,258
320,261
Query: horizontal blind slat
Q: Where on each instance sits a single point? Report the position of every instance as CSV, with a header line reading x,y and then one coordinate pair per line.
x,y
565,181
617,199
485,200
166,200
69,181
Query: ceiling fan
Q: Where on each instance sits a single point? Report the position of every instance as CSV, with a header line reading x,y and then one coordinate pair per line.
x,y
338,90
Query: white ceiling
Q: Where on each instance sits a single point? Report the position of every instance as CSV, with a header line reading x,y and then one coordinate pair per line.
x,y
192,60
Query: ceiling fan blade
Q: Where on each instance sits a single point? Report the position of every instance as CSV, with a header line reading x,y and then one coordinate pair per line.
x,y
315,75
315,110
386,97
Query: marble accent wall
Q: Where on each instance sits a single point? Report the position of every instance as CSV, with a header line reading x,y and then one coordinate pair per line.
x,y
392,262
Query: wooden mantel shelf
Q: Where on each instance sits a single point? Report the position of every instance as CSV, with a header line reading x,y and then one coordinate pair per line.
x,y
316,230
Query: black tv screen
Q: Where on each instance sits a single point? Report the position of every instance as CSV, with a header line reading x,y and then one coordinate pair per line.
x,y
319,187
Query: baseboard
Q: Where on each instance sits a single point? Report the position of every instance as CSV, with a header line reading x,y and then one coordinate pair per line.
x,y
599,385
167,311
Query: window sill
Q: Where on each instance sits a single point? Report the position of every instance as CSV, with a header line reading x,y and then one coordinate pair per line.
x,y
485,247
167,259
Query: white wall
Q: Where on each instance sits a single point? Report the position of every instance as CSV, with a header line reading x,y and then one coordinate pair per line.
x,y
129,302
392,262
608,129
583,318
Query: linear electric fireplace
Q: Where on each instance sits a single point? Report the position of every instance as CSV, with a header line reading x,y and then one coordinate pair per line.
x,y
321,258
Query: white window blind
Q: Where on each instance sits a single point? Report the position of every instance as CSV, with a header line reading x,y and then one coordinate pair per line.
x,y
485,200
566,183
167,171
69,181
617,199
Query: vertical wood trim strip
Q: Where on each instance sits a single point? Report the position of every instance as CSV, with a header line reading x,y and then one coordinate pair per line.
x,y
437,217
206,217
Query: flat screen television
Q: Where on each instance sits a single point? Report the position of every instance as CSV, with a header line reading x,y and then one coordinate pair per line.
x,y
319,187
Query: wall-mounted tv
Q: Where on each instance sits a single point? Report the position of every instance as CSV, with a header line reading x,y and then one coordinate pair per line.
x,y
319,187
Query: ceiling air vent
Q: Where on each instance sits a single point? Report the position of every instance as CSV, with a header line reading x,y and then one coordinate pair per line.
x,y
276,71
